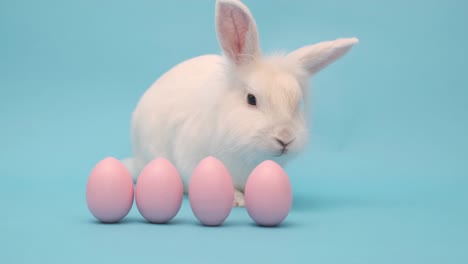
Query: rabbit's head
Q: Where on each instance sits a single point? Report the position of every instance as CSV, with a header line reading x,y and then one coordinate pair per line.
x,y
266,103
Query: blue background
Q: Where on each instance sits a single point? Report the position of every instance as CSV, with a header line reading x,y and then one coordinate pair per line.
x,y
384,180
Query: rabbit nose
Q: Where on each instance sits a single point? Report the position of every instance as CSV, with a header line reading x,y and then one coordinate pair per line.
x,y
280,142
283,143
284,137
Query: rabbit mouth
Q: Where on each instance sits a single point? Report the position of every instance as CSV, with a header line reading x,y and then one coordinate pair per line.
x,y
284,146
282,152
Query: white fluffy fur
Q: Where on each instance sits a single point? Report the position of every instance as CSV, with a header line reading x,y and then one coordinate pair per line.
x,y
199,108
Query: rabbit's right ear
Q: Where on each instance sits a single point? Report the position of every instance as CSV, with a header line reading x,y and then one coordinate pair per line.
x,y
314,58
237,32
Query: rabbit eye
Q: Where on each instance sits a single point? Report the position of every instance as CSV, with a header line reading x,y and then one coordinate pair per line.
x,y
251,99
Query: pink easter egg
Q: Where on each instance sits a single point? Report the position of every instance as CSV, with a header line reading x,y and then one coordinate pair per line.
x,y
159,191
211,192
268,194
109,191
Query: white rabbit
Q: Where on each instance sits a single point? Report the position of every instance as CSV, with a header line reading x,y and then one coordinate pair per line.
x,y
242,107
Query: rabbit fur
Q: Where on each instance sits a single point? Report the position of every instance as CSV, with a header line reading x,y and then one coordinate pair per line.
x,y
241,107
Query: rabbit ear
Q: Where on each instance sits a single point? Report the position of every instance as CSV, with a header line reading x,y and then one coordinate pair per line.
x,y
237,31
316,57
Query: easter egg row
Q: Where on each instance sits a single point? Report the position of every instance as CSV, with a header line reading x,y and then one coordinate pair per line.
x,y
158,192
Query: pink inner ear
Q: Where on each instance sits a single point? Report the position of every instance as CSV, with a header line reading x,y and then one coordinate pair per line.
x,y
233,25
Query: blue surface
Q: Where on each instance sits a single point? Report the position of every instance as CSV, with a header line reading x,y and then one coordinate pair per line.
x,y
384,180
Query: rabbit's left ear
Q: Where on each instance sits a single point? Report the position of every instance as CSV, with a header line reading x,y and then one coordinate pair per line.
x,y
237,31
315,58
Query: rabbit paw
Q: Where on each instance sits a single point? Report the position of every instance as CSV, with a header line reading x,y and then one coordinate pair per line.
x,y
238,199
